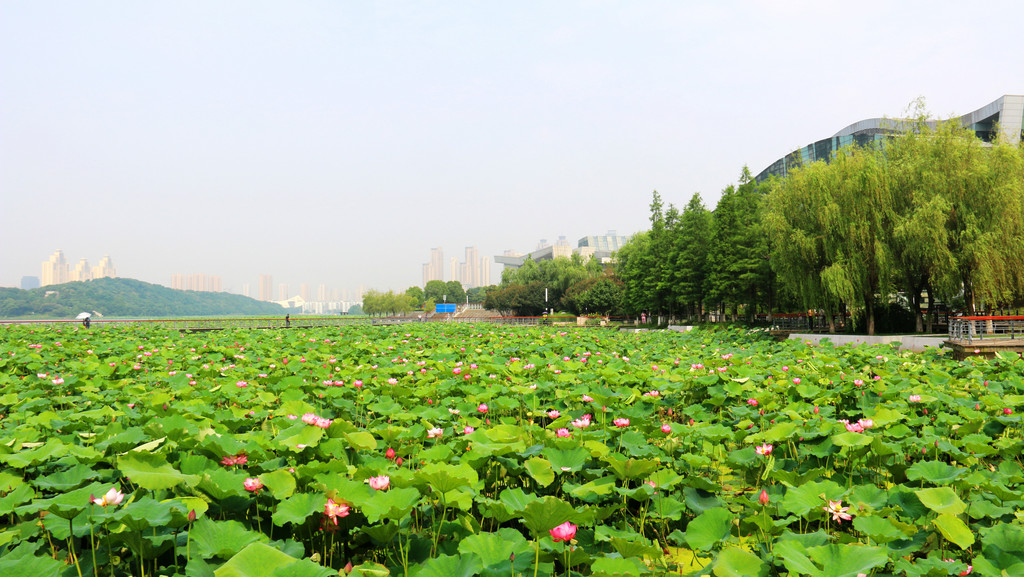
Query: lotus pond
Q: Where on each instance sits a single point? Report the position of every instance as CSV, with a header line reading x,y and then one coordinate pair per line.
x,y
460,450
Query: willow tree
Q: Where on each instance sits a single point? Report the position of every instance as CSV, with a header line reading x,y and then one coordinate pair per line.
x,y
857,227
976,192
794,215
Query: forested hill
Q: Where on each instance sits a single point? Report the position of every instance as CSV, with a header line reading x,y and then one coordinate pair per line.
x,y
123,297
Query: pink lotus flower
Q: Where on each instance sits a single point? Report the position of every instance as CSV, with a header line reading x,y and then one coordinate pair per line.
x,y
563,433
582,422
379,483
434,433
564,532
241,384
335,510
763,497
652,394
838,512
621,423
58,381
852,427
468,430
765,449
482,408
309,418
1007,411
587,399
666,428
553,414
252,484
111,497
914,398
752,402
231,460
390,453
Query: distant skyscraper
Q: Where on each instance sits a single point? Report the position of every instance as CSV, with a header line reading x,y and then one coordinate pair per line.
x,y
265,291
82,272
246,291
304,292
105,269
179,282
471,271
434,270
282,292
453,264
321,293
55,270
485,272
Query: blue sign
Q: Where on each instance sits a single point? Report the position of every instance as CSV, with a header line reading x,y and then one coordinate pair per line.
x,y
444,308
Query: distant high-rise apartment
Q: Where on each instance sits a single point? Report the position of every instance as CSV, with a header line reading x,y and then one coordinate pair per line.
x,y
471,272
246,292
265,291
81,272
304,292
282,292
434,270
105,269
196,282
55,270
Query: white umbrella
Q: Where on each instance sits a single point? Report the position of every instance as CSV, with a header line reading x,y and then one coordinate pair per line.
x,y
83,316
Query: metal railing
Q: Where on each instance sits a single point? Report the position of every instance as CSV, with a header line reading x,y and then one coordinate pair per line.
x,y
970,329
805,322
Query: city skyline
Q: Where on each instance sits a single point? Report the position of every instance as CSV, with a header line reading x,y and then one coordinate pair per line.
x,y
335,143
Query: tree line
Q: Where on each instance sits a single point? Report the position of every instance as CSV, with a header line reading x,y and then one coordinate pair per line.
x,y
932,214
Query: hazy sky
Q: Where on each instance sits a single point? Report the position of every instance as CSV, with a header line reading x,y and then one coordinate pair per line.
x,y
337,142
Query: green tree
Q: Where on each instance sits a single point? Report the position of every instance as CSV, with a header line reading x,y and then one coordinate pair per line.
x,y
417,295
691,264
635,266
456,294
435,290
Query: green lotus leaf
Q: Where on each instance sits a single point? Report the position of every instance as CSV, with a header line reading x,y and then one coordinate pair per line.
x,y
941,500
934,472
221,538
464,565
22,560
151,471
254,560
297,508
955,530
618,567
444,478
394,504
709,528
847,560
541,471
281,483
497,549
735,562
544,514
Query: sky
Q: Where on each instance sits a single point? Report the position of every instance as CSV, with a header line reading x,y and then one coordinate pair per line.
x,y
337,142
